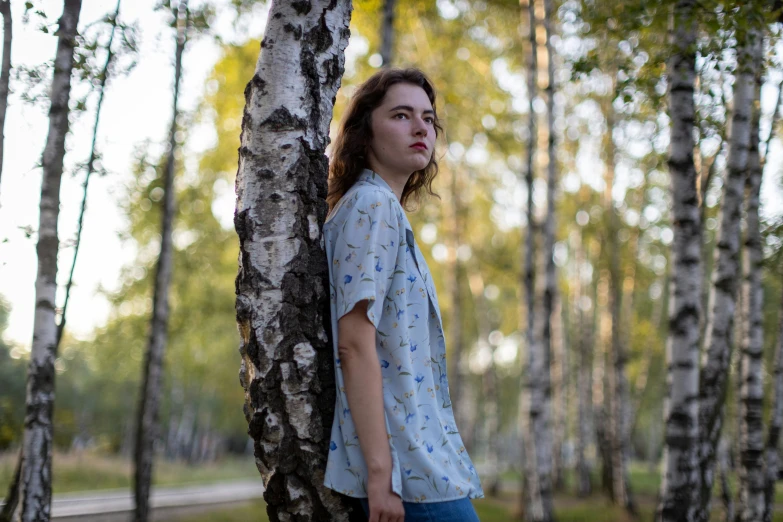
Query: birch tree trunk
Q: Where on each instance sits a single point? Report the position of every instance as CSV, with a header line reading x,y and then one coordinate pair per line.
x,y
617,386
147,422
35,486
489,384
751,474
455,334
679,488
5,72
90,169
772,456
387,33
584,381
538,493
282,301
719,328
547,443
559,394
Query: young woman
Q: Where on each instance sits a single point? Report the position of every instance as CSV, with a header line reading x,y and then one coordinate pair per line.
x,y
394,443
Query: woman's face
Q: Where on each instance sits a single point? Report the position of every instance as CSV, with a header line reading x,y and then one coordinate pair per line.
x,y
403,131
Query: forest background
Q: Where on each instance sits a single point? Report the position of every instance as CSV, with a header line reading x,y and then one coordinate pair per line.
x,y
612,143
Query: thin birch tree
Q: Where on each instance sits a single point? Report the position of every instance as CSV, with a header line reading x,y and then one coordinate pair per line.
x,y
719,330
456,336
90,167
282,301
771,453
751,505
679,495
536,498
584,485
35,485
147,421
543,423
617,433
387,32
5,72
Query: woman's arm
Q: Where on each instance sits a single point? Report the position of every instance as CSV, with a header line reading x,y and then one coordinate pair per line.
x,y
364,390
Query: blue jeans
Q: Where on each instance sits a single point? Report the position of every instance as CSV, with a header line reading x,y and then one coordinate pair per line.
x,y
460,510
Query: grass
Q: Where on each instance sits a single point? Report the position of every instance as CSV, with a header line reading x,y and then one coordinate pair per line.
x,y
88,471
255,511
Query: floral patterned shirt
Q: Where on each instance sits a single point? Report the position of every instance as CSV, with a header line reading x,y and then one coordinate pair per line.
x,y
372,255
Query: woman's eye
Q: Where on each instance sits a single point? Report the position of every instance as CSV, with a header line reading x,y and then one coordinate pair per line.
x,y
429,120
400,114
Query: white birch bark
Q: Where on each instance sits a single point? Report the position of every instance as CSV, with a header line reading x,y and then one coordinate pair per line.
x,y
679,488
5,72
35,487
535,404
751,473
282,301
719,329
147,422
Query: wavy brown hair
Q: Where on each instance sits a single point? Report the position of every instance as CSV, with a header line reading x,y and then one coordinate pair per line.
x,y
349,156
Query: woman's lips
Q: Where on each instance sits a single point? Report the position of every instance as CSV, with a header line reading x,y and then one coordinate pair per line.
x,y
419,146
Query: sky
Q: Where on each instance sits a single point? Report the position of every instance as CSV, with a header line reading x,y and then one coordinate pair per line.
x,y
136,108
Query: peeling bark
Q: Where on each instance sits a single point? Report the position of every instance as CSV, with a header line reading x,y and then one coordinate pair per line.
x,y
147,421
282,305
679,488
719,328
35,493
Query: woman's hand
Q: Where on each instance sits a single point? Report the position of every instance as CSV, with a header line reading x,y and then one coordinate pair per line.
x,y
385,504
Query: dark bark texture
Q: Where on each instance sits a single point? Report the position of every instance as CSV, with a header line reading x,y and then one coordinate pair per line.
x,y
147,419
35,494
751,503
282,305
679,488
719,328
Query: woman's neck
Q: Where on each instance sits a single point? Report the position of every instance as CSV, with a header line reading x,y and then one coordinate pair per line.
x,y
395,181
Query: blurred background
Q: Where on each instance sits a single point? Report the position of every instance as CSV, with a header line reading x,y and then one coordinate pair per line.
x,y
612,234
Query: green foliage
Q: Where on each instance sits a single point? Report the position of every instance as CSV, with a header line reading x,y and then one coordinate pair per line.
x,y
12,375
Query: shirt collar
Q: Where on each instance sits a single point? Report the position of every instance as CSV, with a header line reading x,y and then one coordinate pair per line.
x,y
373,178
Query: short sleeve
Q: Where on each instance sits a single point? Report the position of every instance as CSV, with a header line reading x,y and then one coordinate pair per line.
x,y
365,254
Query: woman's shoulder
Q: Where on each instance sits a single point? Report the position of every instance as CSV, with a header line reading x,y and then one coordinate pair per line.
x,y
364,198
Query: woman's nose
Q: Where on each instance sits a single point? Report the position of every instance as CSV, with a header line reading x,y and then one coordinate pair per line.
x,y
420,128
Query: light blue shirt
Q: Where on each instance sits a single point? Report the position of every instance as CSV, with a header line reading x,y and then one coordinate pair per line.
x,y
372,255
